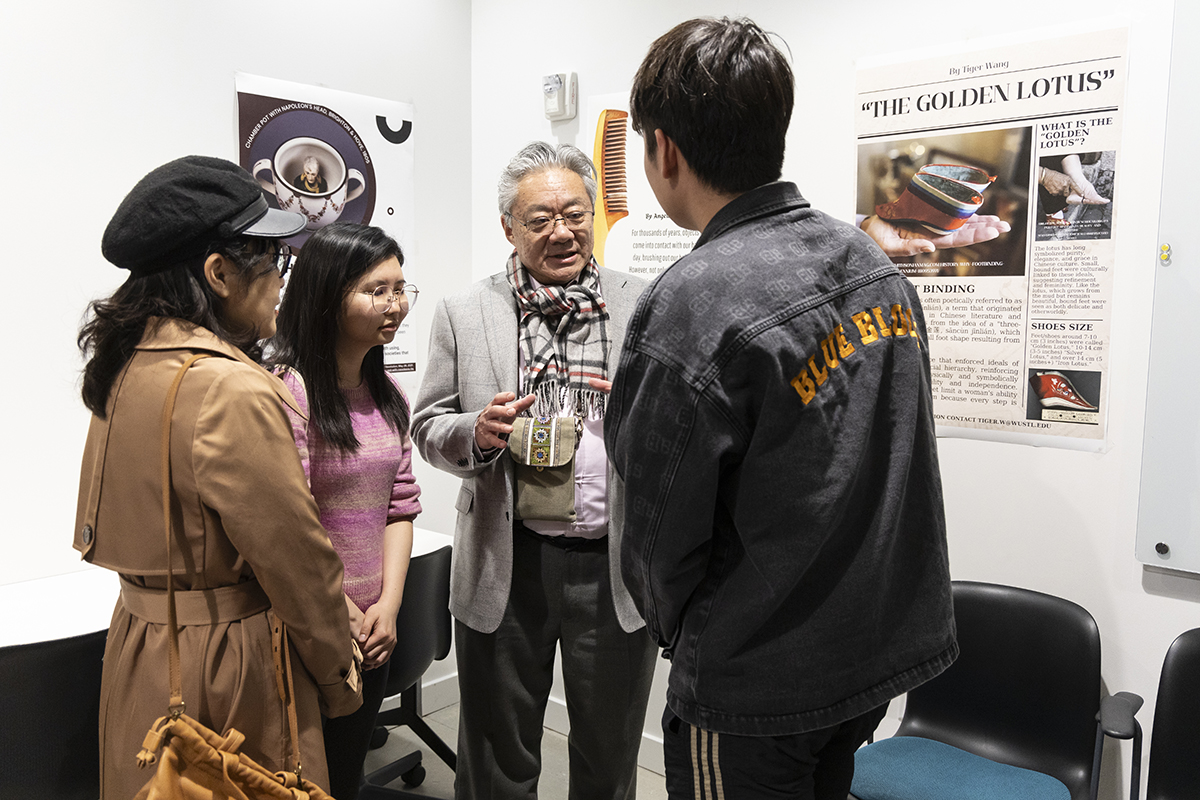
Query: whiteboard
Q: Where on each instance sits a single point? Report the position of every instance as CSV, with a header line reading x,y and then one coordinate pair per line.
x,y
1168,533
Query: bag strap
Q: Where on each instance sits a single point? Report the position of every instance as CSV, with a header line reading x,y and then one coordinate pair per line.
x,y
283,656
287,690
176,706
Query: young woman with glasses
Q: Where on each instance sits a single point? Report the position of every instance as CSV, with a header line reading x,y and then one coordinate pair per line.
x,y
345,300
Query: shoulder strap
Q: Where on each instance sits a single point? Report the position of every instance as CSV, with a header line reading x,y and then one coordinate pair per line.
x,y
285,686
283,658
176,707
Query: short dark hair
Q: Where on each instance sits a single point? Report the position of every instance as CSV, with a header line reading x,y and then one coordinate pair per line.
x,y
307,329
723,92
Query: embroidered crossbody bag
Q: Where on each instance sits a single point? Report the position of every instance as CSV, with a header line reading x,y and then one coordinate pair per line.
x,y
544,451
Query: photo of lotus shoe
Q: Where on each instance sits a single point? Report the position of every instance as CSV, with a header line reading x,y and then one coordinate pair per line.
x,y
939,197
974,177
1054,390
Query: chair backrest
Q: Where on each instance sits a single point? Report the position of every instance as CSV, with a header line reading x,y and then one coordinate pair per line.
x,y
1025,689
1175,741
423,625
50,718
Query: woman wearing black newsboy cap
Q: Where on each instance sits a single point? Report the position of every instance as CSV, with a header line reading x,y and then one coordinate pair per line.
x,y
206,266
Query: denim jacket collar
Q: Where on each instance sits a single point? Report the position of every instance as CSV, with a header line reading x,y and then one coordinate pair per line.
x,y
761,201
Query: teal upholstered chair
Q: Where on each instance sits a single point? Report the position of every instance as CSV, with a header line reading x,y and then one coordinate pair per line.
x,y
1014,717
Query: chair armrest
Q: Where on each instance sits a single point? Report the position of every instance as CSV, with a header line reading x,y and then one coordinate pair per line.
x,y
1117,715
1117,719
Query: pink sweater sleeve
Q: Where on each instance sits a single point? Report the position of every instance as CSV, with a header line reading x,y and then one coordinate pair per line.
x,y
295,385
405,505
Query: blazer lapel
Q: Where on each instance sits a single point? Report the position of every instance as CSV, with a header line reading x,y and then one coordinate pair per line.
x,y
498,310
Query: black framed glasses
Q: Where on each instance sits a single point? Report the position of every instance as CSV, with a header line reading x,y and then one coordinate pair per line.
x,y
382,297
283,259
574,220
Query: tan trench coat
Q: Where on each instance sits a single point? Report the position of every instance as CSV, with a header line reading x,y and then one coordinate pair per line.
x,y
242,512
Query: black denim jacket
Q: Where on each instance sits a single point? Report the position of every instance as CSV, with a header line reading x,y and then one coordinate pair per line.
x,y
771,417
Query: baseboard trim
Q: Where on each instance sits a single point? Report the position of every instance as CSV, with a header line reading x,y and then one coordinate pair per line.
x,y
436,694
439,693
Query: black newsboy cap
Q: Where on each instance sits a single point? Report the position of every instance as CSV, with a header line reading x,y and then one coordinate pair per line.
x,y
178,210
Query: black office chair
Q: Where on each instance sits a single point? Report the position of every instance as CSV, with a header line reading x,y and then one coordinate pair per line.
x,y
423,635
50,718
1174,772
1175,743
1014,716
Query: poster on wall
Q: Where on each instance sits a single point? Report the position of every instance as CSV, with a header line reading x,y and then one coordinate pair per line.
x,y
954,149
333,156
633,233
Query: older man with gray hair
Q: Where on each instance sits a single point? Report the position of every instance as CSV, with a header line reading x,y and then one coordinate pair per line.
x,y
539,339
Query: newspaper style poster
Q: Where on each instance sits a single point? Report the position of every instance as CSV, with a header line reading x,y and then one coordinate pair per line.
x,y
633,233
333,156
990,177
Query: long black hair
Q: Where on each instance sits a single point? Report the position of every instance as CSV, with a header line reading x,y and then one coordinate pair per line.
x,y
114,326
307,328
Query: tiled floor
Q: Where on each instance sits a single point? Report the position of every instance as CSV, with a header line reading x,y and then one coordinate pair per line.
x,y
439,780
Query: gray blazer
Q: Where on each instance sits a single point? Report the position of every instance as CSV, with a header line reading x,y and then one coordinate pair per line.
x,y
472,357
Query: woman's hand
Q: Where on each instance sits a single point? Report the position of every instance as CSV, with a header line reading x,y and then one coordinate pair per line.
x,y
356,618
378,635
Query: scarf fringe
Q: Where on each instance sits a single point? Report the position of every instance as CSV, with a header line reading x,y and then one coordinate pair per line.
x,y
552,400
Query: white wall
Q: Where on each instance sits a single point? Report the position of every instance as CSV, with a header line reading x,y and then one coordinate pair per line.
x,y
96,95
1053,520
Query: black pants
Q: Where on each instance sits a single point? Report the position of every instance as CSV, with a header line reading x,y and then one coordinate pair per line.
x,y
819,765
561,598
348,738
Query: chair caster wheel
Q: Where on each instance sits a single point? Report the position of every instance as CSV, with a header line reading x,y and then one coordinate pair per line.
x,y
414,776
379,738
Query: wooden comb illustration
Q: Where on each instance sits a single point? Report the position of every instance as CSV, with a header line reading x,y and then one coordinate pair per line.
x,y
609,157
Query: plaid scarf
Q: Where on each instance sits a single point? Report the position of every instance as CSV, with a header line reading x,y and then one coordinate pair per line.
x,y
563,338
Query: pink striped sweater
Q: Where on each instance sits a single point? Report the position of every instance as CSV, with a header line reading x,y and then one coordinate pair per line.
x,y
360,493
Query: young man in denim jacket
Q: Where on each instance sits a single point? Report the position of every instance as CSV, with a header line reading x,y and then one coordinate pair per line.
x,y
771,417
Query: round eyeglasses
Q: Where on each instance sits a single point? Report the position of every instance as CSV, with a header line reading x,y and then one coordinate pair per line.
x,y
574,220
282,258
382,297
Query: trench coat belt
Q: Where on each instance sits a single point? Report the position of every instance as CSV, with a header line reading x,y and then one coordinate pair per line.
x,y
197,606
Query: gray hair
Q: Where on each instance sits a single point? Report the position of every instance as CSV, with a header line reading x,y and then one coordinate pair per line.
x,y
538,156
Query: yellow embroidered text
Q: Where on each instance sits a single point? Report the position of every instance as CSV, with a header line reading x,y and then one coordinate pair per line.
x,y
872,325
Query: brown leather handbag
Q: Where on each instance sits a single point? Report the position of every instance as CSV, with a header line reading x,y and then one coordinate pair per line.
x,y
194,762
